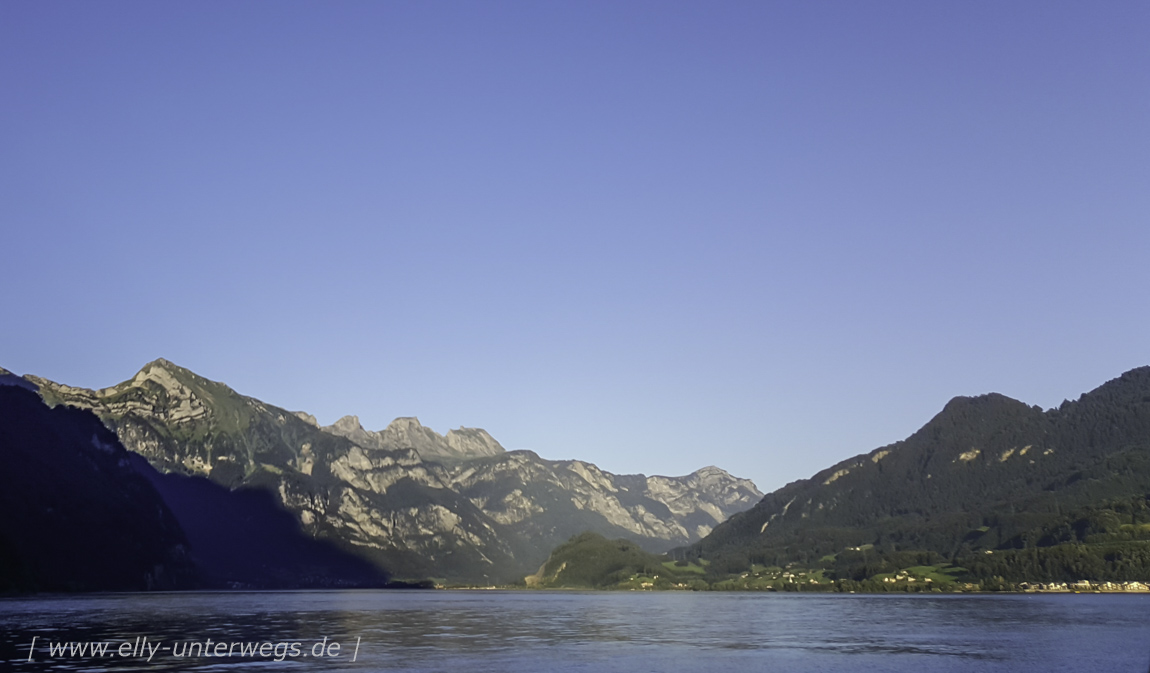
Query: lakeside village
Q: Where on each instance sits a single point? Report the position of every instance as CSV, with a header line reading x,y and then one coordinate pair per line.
x,y
590,561
1083,586
895,583
901,582
927,578
945,578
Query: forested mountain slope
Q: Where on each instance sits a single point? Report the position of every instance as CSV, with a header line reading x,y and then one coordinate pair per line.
x,y
987,473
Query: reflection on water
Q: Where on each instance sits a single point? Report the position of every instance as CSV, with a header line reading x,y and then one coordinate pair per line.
x,y
529,632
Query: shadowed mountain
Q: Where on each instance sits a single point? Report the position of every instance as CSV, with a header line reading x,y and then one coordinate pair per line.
x,y
244,538
78,517
90,515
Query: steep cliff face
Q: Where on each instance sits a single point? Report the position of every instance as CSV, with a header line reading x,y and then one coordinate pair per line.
x,y
457,507
550,501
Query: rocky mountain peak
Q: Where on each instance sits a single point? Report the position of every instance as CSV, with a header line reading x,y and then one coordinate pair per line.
x,y
406,432
711,471
307,418
714,478
404,423
172,377
163,375
351,428
160,364
473,441
348,424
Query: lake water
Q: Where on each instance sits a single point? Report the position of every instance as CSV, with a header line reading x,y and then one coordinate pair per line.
x,y
537,632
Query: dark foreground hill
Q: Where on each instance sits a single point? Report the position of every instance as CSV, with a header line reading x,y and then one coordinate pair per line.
x,y
77,516
85,514
1005,489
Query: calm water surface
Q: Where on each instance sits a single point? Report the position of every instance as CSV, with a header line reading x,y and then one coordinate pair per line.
x,y
521,632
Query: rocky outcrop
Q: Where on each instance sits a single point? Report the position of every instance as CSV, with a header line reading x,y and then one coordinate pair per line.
x,y
409,433
472,442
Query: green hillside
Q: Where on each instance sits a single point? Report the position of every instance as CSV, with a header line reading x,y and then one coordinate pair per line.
x,y
591,561
990,484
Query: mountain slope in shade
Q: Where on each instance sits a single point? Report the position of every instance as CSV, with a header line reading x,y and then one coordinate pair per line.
x,y
77,516
984,474
245,538
480,514
90,515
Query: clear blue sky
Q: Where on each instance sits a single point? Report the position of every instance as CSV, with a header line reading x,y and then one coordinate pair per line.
x,y
652,235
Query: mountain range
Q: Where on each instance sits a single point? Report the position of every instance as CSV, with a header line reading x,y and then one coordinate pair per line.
x,y
990,493
411,502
